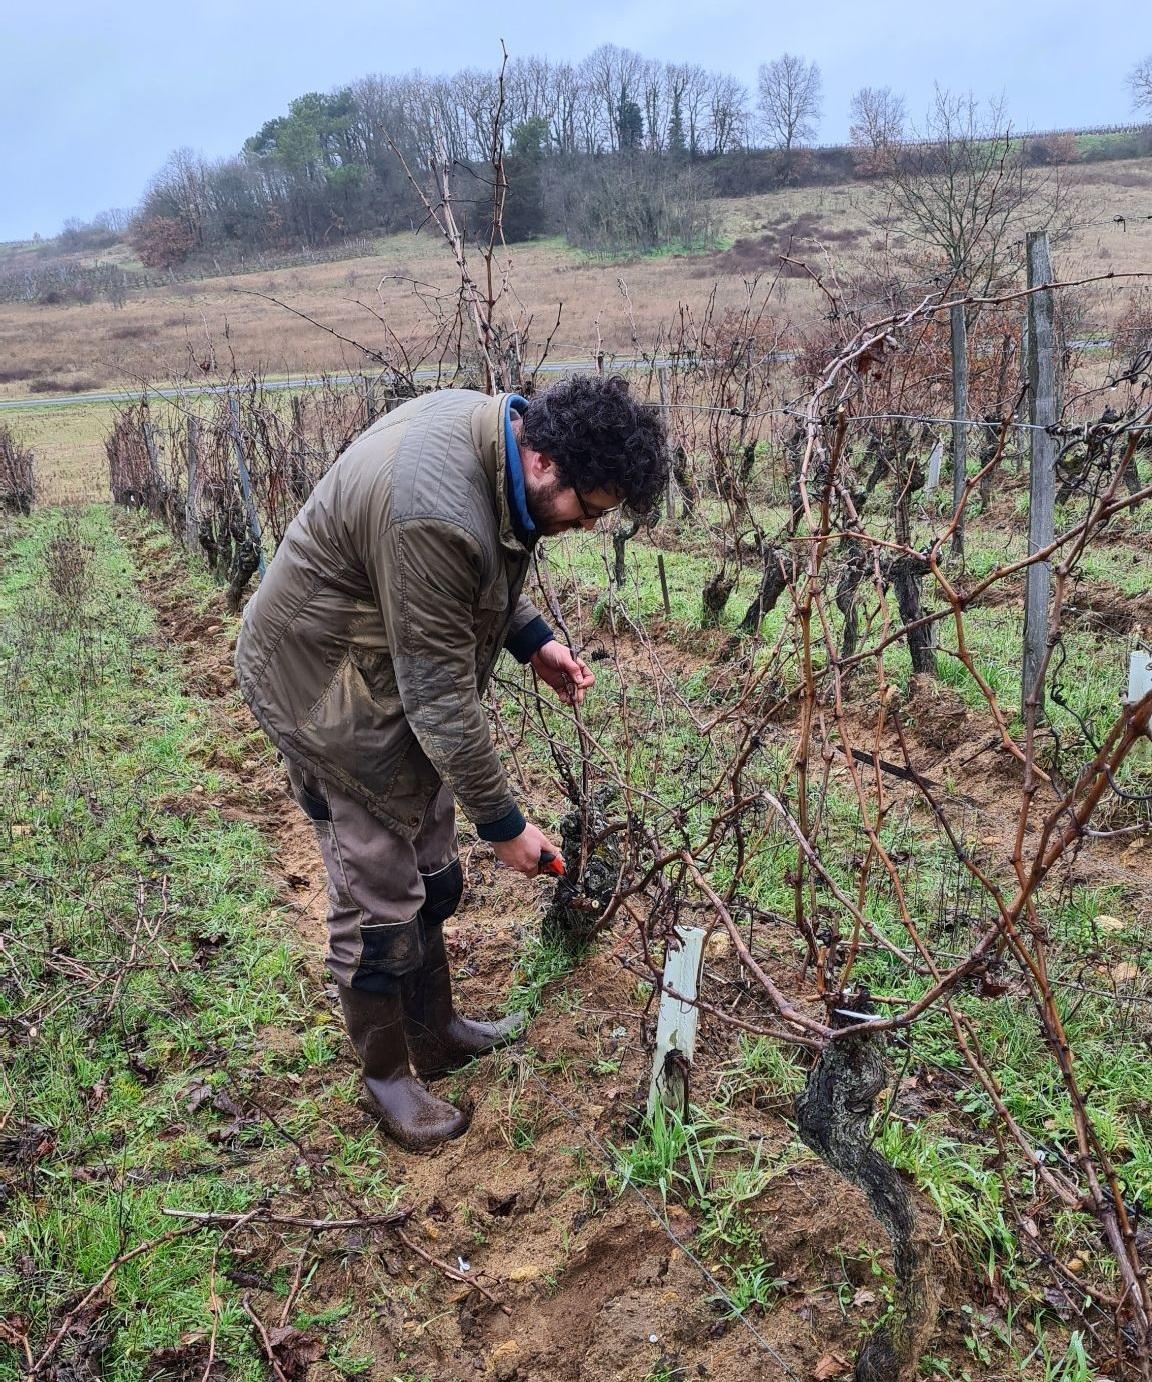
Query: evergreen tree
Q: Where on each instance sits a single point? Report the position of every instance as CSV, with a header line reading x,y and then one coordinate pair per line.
x,y
677,145
629,124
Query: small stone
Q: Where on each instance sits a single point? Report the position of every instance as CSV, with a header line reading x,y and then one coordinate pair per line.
x,y
528,1272
1107,923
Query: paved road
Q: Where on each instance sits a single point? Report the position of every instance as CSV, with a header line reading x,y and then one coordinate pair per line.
x,y
274,385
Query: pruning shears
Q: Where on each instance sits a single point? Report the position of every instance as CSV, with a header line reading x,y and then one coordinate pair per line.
x,y
552,863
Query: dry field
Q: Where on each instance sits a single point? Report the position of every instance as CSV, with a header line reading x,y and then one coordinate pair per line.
x,y
68,443
206,327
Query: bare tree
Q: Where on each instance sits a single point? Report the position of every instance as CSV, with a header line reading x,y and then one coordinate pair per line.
x,y
615,78
421,107
688,85
790,99
656,104
477,102
528,90
1140,82
964,194
877,116
963,190
179,192
727,112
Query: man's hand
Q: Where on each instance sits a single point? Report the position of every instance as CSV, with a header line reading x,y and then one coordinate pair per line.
x,y
523,853
568,676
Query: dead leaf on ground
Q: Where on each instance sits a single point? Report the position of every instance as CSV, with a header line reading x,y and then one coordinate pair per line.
x,y
1124,973
294,1351
831,1365
14,1331
197,1094
187,1361
27,1144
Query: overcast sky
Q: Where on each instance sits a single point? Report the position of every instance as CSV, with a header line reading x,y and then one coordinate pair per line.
x,y
93,98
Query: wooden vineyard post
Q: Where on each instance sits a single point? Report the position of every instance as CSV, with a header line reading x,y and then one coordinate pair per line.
x,y
1042,475
1022,400
935,460
676,1024
670,487
959,419
191,504
245,482
663,585
156,499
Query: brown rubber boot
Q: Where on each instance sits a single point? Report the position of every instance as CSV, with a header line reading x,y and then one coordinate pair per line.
x,y
405,1110
439,1039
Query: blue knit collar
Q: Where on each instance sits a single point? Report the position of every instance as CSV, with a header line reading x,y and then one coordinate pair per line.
x,y
517,499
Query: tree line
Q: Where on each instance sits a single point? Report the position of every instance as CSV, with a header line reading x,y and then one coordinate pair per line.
x,y
343,163
615,152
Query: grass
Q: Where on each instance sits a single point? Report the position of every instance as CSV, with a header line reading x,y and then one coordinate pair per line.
x,y
143,959
953,1153
541,964
68,445
107,733
702,1162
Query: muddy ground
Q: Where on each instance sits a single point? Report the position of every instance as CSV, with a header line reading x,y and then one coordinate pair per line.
x,y
578,1283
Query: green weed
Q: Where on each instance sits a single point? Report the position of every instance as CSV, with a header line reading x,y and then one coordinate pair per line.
x,y
142,965
540,964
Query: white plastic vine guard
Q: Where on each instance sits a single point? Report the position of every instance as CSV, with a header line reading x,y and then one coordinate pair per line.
x,y
677,1019
1139,676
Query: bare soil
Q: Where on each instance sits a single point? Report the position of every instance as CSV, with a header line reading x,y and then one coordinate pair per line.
x,y
595,1287
590,1286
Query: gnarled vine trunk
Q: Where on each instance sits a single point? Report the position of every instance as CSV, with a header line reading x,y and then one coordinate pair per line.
x,y
834,1115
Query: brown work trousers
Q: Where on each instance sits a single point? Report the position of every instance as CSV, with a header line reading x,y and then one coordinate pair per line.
x,y
376,880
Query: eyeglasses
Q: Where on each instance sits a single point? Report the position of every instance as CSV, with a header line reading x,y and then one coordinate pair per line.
x,y
593,514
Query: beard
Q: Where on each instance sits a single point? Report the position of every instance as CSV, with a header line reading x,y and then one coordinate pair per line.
x,y
543,505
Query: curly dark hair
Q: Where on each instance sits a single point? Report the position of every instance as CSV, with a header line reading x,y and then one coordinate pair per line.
x,y
600,437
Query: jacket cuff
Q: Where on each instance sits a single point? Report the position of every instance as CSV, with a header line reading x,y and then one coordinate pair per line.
x,y
506,828
530,639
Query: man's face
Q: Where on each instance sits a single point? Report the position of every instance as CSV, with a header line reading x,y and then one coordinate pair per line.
x,y
558,508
